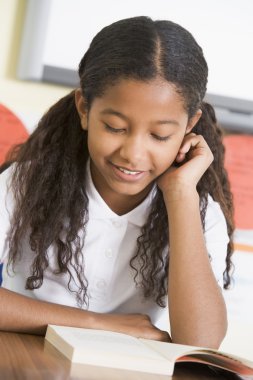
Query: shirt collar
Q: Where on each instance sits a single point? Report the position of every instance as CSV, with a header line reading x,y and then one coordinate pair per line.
x,y
98,209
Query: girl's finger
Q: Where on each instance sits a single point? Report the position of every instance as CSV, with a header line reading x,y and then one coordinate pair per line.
x,y
192,141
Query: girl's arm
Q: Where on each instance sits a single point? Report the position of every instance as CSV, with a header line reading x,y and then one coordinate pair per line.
x,y
23,314
196,305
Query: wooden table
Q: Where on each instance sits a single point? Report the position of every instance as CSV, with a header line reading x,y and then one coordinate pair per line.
x,y
24,356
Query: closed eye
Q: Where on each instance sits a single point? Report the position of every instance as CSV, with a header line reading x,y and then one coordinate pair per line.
x,y
121,130
113,130
160,138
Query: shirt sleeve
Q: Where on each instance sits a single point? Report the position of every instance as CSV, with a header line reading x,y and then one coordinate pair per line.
x,y
216,237
6,203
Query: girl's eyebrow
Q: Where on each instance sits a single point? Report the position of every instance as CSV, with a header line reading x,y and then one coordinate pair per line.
x,y
111,111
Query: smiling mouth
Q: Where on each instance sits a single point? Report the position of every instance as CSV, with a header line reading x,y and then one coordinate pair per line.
x,y
127,171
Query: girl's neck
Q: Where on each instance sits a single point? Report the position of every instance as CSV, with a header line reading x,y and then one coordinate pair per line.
x,y
122,204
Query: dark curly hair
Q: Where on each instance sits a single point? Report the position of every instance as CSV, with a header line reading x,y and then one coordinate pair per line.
x,y
49,181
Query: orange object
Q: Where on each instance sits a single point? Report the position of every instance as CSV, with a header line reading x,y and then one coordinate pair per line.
x,y
239,164
243,247
12,131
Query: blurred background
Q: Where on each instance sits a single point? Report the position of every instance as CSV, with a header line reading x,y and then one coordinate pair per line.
x,y
41,44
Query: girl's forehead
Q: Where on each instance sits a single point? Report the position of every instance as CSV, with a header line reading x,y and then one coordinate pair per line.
x,y
131,90
150,100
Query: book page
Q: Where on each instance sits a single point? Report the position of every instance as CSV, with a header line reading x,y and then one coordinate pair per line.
x,y
107,349
170,351
112,349
177,353
105,342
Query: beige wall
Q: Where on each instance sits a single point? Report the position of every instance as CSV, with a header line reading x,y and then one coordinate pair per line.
x,y
22,96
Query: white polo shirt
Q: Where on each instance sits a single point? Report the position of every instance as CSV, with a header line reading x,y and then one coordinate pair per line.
x,y
109,245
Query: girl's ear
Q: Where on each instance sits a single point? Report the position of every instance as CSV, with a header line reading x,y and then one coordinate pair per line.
x,y
81,108
193,121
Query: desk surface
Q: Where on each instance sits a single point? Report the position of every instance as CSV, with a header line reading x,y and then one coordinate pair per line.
x,y
24,356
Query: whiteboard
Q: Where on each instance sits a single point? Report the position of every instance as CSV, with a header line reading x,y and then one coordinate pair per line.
x,y
64,28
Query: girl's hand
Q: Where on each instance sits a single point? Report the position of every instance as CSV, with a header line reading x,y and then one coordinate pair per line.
x,y
137,325
197,156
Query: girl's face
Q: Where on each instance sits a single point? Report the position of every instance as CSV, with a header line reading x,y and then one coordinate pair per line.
x,y
134,133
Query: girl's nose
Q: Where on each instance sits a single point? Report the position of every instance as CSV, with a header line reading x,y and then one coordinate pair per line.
x,y
133,150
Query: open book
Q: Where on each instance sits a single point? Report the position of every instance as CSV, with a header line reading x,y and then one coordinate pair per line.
x,y
115,350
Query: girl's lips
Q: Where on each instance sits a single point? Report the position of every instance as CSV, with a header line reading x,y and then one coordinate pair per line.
x,y
122,168
121,173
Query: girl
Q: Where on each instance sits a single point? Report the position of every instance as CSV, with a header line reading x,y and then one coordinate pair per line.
x,y
118,204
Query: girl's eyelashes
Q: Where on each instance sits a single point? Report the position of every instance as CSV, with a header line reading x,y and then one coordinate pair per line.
x,y
113,130
120,130
160,138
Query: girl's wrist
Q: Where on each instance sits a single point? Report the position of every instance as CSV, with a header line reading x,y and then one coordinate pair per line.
x,y
92,320
102,321
180,194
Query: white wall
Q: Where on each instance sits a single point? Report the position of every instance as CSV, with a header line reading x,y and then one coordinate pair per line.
x,y
224,29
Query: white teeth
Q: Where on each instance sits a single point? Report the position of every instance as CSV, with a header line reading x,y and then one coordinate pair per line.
x,y
128,171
